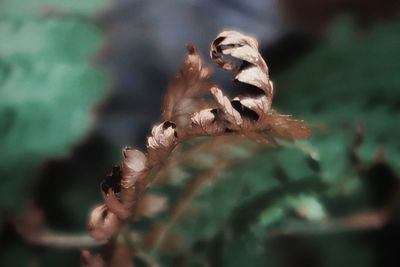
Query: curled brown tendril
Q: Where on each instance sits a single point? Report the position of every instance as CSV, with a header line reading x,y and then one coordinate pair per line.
x,y
188,114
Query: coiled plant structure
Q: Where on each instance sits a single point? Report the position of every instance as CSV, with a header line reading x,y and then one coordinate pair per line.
x,y
193,107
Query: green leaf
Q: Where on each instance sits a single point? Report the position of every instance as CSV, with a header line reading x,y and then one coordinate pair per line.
x,y
37,7
350,80
249,211
48,88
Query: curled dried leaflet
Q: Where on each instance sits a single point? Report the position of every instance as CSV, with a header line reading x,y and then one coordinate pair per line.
x,y
188,113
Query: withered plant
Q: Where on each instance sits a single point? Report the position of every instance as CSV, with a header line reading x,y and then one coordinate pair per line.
x,y
193,107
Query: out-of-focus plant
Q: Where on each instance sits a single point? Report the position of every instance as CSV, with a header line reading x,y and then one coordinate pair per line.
x,y
48,88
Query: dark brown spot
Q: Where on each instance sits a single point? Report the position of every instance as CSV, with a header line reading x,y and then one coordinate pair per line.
x,y
104,214
245,111
227,130
168,124
191,49
113,180
217,42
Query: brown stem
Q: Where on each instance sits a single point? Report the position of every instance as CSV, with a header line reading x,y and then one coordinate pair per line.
x,y
373,219
63,240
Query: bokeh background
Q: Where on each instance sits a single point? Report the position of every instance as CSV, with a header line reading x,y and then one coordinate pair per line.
x,y
81,79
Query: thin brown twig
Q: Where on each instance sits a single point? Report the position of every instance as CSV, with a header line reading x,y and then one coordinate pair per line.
x,y
64,240
368,220
360,221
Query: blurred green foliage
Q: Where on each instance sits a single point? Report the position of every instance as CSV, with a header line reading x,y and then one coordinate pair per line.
x,y
48,87
351,79
19,8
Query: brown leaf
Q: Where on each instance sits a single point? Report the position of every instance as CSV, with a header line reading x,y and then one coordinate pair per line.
x,y
247,115
185,91
103,224
193,68
129,197
260,104
112,180
283,126
161,142
205,122
115,205
228,112
253,71
261,137
134,166
244,112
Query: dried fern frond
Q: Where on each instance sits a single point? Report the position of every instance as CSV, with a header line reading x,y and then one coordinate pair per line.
x,y
185,93
249,114
188,113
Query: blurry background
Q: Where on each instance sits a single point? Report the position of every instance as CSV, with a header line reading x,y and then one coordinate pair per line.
x,y
81,79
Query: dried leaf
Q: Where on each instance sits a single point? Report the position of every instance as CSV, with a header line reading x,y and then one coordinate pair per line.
x,y
283,126
103,224
261,137
134,166
112,180
185,91
129,197
244,112
260,104
162,140
253,71
224,104
205,123
245,115
119,192
194,69
115,205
